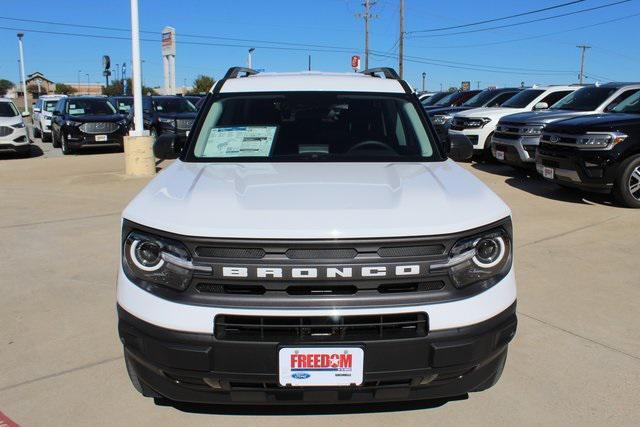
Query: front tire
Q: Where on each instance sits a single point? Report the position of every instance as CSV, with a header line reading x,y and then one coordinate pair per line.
x,y
65,146
37,133
626,188
54,140
46,137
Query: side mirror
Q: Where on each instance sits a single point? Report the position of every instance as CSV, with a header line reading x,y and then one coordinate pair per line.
x,y
25,114
459,150
541,106
36,110
168,146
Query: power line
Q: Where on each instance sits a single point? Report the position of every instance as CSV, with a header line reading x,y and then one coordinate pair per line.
x,y
523,22
500,19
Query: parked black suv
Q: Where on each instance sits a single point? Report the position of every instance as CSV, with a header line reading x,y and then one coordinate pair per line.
x,y
168,114
598,153
454,99
80,121
441,117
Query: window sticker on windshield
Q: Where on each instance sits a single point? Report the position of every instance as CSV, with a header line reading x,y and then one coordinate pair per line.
x,y
240,141
75,111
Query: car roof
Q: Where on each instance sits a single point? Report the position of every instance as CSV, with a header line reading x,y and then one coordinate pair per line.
x,y
6,100
618,84
310,81
57,96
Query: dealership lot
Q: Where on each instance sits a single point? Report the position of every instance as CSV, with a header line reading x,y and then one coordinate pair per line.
x,y
575,359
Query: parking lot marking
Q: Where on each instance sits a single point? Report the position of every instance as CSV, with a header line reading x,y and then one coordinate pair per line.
x,y
6,421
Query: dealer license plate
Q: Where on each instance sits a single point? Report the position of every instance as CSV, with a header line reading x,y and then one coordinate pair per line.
x,y
547,172
499,155
101,138
321,366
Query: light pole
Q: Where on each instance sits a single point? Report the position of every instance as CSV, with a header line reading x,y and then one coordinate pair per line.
x,y
117,71
249,58
137,71
424,76
87,74
79,71
24,82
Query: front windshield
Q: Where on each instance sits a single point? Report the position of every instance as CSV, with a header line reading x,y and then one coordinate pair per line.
x,y
7,109
90,107
585,99
480,99
630,105
49,106
447,100
434,98
173,105
523,98
313,126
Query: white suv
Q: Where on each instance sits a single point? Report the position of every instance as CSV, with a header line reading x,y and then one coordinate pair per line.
x,y
314,244
477,126
13,132
42,115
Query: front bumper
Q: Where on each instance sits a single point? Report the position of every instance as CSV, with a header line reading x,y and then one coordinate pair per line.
x,y
80,139
593,171
517,152
16,142
181,366
477,137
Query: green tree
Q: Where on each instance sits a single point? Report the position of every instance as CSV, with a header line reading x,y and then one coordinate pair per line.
x,y
65,89
202,84
117,88
5,85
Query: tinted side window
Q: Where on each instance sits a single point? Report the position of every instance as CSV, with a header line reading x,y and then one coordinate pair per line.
x,y
60,106
624,95
554,97
498,100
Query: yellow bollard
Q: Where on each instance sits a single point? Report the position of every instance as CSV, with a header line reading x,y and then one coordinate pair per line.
x,y
138,156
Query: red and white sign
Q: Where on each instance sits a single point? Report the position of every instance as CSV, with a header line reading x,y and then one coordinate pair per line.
x,y
6,421
355,62
321,366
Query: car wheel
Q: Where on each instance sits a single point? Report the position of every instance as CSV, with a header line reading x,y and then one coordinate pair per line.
x,y
154,133
54,140
65,146
46,137
627,185
37,133
487,155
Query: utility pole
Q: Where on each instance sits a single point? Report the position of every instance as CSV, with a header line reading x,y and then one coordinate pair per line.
x,y
22,77
478,82
309,65
249,58
401,42
424,76
368,4
583,47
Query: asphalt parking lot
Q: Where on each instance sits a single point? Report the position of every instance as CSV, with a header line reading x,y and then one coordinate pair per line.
x,y
575,359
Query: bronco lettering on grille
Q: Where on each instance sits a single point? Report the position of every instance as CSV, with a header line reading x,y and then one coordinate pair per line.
x,y
353,272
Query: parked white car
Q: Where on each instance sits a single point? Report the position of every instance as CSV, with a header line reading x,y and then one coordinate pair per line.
x,y
13,132
477,125
42,114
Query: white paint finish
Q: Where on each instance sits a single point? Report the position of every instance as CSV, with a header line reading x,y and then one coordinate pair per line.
x,y
199,319
315,200
311,81
495,114
17,132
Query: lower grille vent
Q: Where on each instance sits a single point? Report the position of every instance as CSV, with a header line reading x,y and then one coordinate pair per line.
x,y
321,328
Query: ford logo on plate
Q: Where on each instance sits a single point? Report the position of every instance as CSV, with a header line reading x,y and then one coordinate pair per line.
x,y
300,375
554,138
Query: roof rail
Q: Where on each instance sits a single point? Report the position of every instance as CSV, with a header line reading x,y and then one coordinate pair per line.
x,y
234,72
388,72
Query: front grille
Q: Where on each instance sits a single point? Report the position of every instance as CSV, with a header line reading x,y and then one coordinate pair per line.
x,y
557,138
99,127
321,328
319,290
184,124
5,130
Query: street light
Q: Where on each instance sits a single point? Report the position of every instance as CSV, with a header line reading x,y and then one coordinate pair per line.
x,y
87,74
79,71
24,82
424,76
249,58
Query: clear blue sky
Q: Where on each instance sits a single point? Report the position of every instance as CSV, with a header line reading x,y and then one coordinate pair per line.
x,y
615,54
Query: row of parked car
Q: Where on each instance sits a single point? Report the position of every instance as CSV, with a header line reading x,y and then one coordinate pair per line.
x,y
585,137
72,122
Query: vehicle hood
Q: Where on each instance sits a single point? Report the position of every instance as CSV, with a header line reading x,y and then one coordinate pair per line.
x,y
315,200
97,118
606,122
446,110
176,115
543,117
490,112
8,121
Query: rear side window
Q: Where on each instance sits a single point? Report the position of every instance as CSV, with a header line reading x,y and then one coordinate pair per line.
x,y
618,99
7,109
500,99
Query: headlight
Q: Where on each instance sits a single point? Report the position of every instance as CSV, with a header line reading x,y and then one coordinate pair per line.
x,y
442,119
18,125
477,123
166,121
72,123
604,140
482,258
158,260
532,130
